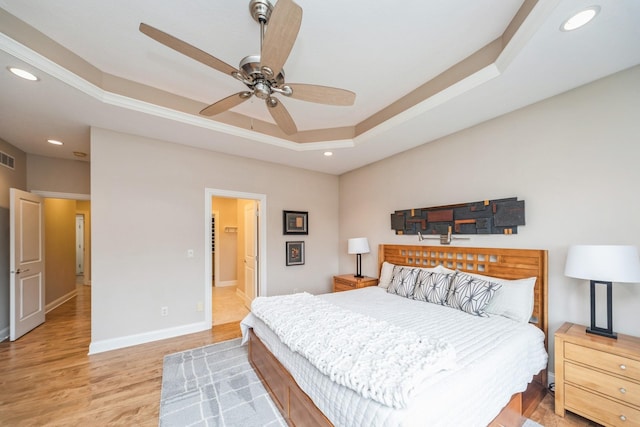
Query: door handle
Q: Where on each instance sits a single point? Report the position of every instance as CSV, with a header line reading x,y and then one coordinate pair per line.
x,y
18,271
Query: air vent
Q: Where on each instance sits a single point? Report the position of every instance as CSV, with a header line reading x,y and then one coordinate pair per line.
x,y
7,160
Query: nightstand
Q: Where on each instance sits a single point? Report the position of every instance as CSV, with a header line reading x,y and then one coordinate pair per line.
x,y
347,282
597,377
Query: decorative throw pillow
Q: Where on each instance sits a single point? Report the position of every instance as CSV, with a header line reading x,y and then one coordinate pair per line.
x,y
403,281
432,287
514,300
471,294
386,274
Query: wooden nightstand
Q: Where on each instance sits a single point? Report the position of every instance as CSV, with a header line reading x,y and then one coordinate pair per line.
x,y
347,282
597,377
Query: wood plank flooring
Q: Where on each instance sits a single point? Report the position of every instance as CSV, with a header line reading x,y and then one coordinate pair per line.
x,y
47,378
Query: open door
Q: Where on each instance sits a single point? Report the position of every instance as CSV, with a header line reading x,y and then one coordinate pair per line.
x,y
27,304
250,250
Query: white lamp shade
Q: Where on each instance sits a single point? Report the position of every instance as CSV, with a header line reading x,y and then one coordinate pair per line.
x,y
607,263
358,245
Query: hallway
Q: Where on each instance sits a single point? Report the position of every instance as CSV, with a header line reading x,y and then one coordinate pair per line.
x,y
47,378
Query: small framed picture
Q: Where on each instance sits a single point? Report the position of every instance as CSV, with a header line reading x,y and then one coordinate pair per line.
x,y
295,253
295,222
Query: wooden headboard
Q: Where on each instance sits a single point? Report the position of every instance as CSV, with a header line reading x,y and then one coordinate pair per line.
x,y
496,262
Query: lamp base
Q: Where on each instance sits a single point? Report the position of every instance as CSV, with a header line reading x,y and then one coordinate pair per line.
x,y
602,333
359,276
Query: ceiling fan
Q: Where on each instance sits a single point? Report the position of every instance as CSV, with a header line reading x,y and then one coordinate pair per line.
x,y
262,74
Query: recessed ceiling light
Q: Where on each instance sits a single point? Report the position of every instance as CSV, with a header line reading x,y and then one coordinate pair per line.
x,y
23,73
328,153
581,18
54,142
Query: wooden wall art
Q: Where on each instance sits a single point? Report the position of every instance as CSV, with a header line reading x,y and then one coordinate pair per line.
x,y
501,216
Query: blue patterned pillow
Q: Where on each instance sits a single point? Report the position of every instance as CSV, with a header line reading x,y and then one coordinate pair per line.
x,y
403,281
471,294
432,287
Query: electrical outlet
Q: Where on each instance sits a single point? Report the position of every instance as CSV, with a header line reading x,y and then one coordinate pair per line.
x,y
164,311
190,253
199,306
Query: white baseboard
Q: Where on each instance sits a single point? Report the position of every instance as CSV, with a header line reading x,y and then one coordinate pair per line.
x,y
131,340
58,302
4,333
226,283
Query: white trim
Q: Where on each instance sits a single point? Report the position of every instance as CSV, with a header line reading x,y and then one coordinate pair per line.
x,y
57,195
58,302
209,193
143,338
4,334
226,283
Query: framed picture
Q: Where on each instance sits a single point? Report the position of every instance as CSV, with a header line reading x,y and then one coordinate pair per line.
x,y
295,253
295,222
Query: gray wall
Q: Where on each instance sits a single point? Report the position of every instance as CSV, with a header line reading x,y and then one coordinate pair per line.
x,y
152,210
572,158
58,175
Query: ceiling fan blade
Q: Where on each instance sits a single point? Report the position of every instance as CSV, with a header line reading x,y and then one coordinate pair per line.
x,y
226,103
281,116
281,34
322,94
186,49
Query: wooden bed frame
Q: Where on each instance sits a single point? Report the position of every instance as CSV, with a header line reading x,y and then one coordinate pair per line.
x,y
299,410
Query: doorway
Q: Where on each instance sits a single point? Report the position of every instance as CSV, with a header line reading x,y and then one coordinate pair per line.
x,y
236,241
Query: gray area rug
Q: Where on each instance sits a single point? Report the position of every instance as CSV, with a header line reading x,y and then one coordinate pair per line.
x,y
214,386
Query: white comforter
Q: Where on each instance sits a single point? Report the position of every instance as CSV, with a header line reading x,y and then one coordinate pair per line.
x,y
496,357
372,362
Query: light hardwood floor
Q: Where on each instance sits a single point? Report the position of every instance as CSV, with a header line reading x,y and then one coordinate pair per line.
x,y
47,378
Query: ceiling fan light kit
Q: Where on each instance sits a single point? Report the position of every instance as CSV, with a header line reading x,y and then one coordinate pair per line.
x,y
263,74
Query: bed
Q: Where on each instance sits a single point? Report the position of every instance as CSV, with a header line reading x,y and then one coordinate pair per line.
x,y
307,397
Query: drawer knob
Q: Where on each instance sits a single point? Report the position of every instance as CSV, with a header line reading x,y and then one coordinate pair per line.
x,y
623,367
623,418
623,391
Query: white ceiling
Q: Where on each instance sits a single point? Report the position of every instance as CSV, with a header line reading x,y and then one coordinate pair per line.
x,y
379,50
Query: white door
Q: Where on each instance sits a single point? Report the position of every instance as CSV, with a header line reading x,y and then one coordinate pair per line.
x,y
79,245
26,219
250,250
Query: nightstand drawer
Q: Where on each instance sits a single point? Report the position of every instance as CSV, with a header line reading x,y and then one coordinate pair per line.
x,y
609,385
348,282
339,287
615,364
600,409
344,285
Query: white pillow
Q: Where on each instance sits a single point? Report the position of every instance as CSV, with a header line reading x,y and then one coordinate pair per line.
x,y
386,274
513,300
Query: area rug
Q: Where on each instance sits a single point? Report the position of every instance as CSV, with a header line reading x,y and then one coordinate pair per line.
x,y
214,386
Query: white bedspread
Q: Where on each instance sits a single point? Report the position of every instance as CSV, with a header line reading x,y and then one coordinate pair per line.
x,y
495,357
379,361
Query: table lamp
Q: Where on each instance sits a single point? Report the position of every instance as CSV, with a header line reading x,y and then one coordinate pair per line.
x,y
603,265
358,246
